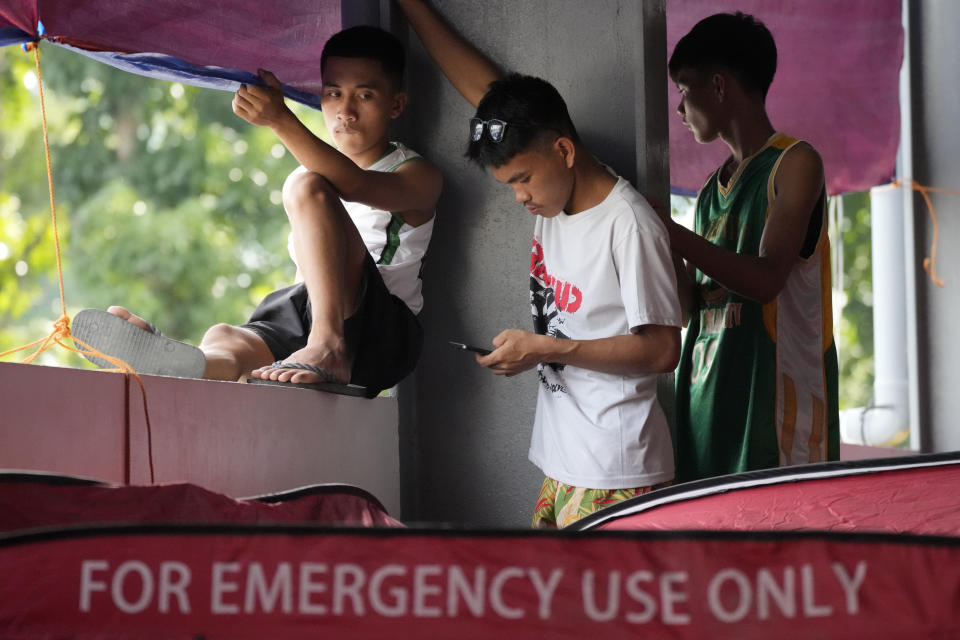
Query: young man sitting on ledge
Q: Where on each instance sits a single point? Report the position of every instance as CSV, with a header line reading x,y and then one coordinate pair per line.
x,y
361,217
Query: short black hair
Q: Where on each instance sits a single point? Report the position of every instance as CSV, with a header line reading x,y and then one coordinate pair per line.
x,y
367,42
737,42
531,107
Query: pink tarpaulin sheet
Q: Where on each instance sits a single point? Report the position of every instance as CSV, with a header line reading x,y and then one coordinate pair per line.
x,y
837,86
32,501
16,18
914,494
197,40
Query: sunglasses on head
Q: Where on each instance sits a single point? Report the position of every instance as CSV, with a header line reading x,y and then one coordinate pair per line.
x,y
494,127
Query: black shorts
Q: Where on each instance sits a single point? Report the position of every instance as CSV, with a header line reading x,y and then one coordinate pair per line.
x,y
383,336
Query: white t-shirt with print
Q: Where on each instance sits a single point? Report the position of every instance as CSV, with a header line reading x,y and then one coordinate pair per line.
x,y
598,274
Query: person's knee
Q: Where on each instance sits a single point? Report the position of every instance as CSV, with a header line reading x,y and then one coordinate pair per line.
x,y
225,335
233,351
305,191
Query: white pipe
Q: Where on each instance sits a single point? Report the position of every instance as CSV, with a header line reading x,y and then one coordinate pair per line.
x,y
885,421
894,411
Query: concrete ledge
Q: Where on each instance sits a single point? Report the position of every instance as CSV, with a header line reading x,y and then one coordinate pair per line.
x,y
862,452
236,439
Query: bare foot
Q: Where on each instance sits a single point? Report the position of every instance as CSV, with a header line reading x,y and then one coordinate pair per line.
x,y
331,358
135,320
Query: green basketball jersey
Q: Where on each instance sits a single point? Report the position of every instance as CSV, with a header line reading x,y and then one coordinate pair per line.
x,y
757,383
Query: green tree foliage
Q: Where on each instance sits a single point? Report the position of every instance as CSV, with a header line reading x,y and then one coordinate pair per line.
x,y
167,202
854,327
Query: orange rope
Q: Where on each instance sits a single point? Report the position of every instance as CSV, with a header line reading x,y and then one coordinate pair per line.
x,y
61,328
929,263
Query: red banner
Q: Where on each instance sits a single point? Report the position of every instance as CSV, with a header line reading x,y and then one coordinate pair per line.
x,y
287,582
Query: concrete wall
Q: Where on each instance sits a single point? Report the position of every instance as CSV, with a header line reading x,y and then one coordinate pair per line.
x,y
237,439
465,432
936,138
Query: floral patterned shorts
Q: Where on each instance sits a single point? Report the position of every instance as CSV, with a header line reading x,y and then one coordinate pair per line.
x,y
561,504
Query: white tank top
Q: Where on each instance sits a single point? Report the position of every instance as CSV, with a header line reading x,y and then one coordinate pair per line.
x,y
395,246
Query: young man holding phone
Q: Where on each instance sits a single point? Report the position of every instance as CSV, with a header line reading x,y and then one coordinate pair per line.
x,y
603,289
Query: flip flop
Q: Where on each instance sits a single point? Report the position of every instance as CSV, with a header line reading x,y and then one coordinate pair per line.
x,y
327,384
148,352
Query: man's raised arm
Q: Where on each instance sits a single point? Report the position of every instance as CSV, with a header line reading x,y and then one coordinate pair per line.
x,y
799,183
412,190
468,70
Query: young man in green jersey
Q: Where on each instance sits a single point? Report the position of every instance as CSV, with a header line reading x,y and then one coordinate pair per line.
x,y
757,381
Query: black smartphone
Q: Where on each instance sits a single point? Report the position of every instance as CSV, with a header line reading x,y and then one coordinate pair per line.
x,y
466,347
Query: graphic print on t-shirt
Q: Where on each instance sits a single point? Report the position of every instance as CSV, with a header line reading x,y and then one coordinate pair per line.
x,y
551,300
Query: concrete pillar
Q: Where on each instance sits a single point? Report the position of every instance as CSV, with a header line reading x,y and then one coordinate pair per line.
x,y
936,137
